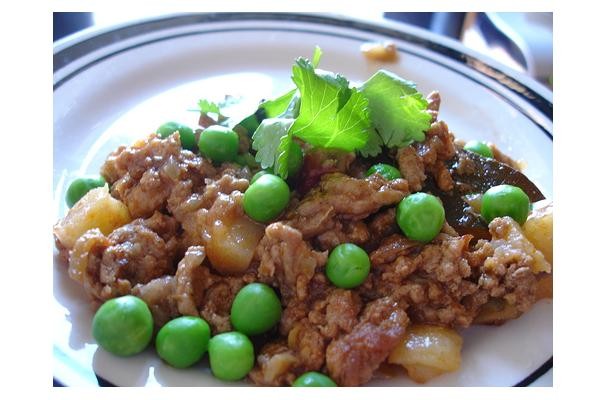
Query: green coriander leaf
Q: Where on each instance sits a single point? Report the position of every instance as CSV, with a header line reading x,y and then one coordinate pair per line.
x,y
397,109
316,56
213,111
373,146
281,165
207,107
276,107
338,82
285,106
323,121
267,139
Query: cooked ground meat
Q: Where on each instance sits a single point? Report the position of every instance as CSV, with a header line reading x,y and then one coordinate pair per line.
x,y
277,365
411,167
132,254
194,290
318,162
510,264
180,201
437,148
159,295
344,232
143,175
191,204
353,357
430,279
287,261
138,253
191,279
341,197
337,313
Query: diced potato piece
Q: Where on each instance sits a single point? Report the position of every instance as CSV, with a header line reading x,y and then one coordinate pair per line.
x,y
232,244
96,209
538,228
509,240
278,365
496,312
428,351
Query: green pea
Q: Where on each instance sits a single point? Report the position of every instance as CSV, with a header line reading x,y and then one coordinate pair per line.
x,y
385,170
255,309
266,198
183,341
505,200
258,175
348,266
295,159
246,160
123,325
81,186
313,379
218,143
479,148
186,134
231,356
420,216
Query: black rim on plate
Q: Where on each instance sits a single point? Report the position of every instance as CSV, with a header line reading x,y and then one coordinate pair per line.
x,y
82,48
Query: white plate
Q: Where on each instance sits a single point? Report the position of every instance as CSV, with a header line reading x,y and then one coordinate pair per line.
x,y
114,86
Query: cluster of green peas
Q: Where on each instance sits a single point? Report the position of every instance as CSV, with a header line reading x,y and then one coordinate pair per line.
x,y
124,325
421,215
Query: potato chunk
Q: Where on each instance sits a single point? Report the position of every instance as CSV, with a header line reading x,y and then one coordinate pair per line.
x,y
232,244
538,228
96,209
428,351
510,242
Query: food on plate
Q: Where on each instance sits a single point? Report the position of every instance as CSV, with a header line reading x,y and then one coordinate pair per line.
x,y
387,171
266,198
420,216
186,134
380,51
218,143
313,379
326,233
97,209
478,147
505,200
428,351
255,309
123,325
347,266
231,356
538,228
81,186
183,341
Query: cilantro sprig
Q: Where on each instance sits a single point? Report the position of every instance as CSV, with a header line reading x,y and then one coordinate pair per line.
x,y
325,110
397,109
331,114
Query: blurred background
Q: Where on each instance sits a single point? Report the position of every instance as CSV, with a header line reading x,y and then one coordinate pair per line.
x,y
522,41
